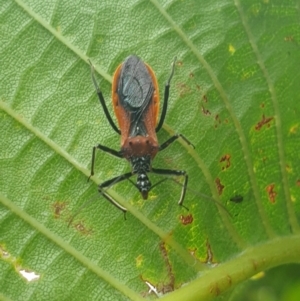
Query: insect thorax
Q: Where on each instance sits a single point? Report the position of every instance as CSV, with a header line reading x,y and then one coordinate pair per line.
x,y
140,148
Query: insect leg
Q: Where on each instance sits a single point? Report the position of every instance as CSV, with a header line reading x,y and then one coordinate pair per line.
x,y
102,101
172,139
108,197
111,182
170,172
166,98
105,149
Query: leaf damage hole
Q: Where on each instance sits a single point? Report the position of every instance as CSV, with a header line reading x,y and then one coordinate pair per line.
x,y
152,288
219,185
186,219
26,273
226,160
29,275
264,121
271,193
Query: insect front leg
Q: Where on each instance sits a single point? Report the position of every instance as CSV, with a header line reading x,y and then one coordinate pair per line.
x,y
166,99
110,183
106,149
102,101
102,191
170,172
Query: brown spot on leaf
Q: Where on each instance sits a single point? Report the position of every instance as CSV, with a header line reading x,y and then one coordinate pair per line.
x,y
217,120
58,208
294,129
4,253
192,251
254,264
289,38
226,160
183,89
205,111
139,260
215,289
191,75
169,286
298,182
264,121
288,168
204,98
185,220
179,63
209,254
271,193
220,187
80,227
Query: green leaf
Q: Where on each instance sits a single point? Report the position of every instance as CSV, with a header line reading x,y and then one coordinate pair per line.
x,y
235,94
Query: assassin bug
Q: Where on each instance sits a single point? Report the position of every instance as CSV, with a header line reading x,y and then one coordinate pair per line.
x,y
135,98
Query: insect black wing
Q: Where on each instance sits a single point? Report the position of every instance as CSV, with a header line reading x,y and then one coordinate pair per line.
x,y
135,91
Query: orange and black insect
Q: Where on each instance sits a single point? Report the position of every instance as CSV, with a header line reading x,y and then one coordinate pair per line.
x,y
135,98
